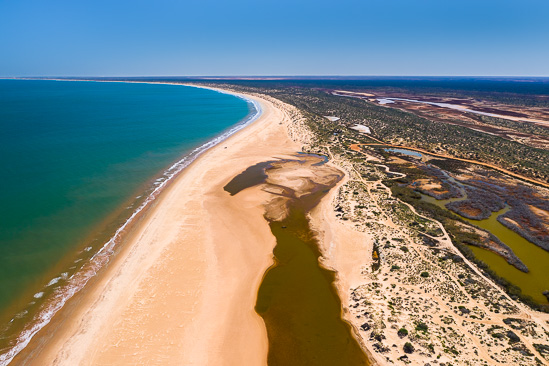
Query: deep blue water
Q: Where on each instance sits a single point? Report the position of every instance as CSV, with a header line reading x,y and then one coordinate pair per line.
x,y
525,86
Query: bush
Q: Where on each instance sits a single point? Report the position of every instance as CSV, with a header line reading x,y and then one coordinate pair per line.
x,y
422,327
424,274
513,338
402,332
408,347
463,309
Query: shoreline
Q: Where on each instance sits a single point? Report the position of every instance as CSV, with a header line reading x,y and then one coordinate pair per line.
x,y
277,144
61,295
346,252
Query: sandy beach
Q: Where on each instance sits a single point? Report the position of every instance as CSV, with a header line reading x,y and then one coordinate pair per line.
x,y
183,289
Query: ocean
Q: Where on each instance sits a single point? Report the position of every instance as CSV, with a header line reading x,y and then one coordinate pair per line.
x,y
78,161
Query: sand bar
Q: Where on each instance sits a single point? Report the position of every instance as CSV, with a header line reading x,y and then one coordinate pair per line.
x,y
184,288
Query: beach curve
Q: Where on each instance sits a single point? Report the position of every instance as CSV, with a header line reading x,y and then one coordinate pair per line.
x,y
43,346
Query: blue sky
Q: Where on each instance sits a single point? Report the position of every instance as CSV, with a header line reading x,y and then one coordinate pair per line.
x,y
264,37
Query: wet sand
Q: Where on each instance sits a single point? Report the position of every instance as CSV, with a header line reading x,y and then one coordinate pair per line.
x,y
184,288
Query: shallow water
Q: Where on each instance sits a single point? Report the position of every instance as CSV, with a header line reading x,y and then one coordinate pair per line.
x,y
297,298
299,304
405,152
535,258
250,177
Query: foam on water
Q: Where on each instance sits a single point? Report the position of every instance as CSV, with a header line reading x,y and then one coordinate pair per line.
x,y
53,281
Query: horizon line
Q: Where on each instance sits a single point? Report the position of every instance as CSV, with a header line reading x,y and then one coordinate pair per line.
x,y
278,77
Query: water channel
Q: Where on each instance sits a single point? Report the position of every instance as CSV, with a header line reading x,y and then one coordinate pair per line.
x,y
534,257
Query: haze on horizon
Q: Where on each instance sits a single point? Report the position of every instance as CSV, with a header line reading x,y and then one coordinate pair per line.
x,y
245,37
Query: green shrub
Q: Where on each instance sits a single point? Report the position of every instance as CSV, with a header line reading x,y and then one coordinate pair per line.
x,y
422,327
408,347
402,332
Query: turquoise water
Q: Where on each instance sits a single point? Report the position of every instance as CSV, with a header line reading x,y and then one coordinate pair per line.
x,y
76,159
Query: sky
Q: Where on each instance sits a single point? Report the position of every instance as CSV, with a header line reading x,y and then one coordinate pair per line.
x,y
274,37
